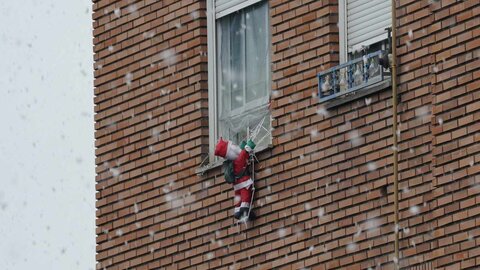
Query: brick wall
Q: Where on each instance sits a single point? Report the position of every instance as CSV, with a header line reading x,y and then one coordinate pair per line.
x,y
324,189
439,54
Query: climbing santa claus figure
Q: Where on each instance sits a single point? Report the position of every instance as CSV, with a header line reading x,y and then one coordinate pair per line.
x,y
238,157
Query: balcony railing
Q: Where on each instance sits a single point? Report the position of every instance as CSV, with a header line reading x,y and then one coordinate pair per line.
x,y
351,76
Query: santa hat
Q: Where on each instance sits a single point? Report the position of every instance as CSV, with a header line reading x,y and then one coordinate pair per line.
x,y
227,149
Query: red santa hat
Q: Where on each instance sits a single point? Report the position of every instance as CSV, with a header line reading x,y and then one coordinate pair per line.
x,y
227,150
221,148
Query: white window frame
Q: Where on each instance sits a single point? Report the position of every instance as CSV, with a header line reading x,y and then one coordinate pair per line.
x,y
343,33
212,16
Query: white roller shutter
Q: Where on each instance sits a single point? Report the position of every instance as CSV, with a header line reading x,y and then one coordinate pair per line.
x,y
366,22
225,7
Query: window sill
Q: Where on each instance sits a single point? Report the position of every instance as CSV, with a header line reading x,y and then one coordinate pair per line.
x,y
377,87
218,163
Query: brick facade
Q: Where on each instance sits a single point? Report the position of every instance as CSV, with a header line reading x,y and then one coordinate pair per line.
x,y
325,187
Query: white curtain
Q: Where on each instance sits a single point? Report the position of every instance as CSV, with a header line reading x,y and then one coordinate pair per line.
x,y
242,70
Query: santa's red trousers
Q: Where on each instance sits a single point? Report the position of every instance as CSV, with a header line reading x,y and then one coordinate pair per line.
x,y
243,186
243,195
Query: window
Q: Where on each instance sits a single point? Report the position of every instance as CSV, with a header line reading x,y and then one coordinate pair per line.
x,y
362,25
239,70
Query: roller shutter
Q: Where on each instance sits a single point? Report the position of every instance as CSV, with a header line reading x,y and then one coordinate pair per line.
x,y
225,7
366,22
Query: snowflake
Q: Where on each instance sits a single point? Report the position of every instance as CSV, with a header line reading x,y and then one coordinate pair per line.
x,y
308,206
355,138
117,12
115,172
372,224
321,212
195,15
168,56
368,101
322,111
132,8
352,247
128,78
282,232
359,231
314,133
150,34
371,166
422,112
414,209
119,232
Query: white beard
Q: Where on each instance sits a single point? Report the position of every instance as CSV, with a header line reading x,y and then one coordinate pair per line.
x,y
232,151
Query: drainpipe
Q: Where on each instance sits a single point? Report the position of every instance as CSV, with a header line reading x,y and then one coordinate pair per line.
x,y
395,139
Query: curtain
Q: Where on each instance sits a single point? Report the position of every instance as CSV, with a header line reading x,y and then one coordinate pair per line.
x,y
242,70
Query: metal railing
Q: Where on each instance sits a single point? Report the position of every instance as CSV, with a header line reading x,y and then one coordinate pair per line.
x,y
351,76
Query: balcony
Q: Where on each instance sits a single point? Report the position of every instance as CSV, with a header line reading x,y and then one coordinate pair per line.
x,y
354,79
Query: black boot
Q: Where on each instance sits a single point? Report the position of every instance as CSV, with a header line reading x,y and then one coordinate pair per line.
x,y
252,216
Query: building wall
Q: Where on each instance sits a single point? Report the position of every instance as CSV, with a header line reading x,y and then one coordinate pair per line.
x,y
439,68
324,190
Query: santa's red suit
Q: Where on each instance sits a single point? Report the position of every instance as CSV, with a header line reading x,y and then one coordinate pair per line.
x,y
243,185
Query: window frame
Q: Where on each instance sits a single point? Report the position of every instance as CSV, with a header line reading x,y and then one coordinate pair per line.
x,y
212,16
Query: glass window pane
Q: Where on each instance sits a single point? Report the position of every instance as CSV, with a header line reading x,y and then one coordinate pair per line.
x,y
237,64
256,52
243,72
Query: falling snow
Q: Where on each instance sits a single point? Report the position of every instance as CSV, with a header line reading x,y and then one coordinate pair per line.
x,y
368,101
282,233
168,56
128,78
321,212
308,207
352,247
115,172
355,138
195,15
132,8
414,209
371,166
322,111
